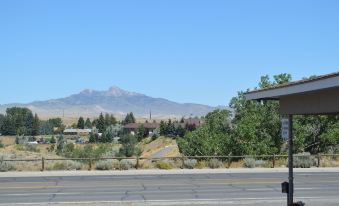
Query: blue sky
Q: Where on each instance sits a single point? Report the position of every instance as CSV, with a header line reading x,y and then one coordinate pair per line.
x,y
186,51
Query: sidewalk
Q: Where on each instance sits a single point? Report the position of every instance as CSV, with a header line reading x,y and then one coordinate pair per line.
x,y
164,172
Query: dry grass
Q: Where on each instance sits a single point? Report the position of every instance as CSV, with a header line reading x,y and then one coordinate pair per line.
x,y
152,147
7,140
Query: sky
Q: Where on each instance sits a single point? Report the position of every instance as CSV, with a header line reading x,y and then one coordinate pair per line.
x,y
183,50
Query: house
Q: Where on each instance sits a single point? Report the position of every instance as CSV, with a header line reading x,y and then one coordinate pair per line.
x,y
80,132
132,128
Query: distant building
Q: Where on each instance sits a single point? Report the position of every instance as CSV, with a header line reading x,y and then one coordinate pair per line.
x,y
133,127
80,132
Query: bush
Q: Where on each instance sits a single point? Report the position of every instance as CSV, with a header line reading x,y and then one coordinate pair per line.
x,y
67,165
303,160
215,163
1,145
104,165
249,162
28,147
6,166
126,164
202,164
190,163
164,165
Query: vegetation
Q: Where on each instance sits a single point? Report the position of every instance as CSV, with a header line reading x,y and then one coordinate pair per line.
x,y
255,129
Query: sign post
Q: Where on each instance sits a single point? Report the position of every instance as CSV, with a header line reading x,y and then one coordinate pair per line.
x,y
287,134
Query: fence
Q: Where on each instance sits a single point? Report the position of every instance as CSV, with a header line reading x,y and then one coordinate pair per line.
x,y
270,160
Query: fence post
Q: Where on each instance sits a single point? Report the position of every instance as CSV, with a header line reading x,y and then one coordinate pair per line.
x,y
273,161
229,161
90,165
42,164
182,161
319,157
137,165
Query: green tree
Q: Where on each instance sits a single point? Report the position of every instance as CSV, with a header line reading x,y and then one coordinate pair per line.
x,y
53,141
212,138
129,118
60,145
81,123
142,132
101,123
36,125
128,143
88,124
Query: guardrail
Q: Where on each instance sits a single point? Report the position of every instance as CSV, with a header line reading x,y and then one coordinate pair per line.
x,y
228,159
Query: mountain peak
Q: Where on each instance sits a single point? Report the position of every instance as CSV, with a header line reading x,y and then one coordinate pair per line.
x,y
117,92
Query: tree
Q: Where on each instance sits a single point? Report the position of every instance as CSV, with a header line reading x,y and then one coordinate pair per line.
x,y
212,138
92,138
60,144
110,120
36,125
128,145
88,124
53,141
163,128
142,132
129,118
101,124
81,123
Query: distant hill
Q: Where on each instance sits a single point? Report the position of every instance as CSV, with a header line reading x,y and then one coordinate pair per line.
x,y
89,103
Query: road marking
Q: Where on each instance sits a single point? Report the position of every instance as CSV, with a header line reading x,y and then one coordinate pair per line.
x,y
30,187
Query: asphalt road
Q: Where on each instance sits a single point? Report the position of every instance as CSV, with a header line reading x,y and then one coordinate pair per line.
x,y
190,189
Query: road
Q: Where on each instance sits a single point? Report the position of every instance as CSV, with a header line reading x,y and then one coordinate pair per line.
x,y
162,152
185,189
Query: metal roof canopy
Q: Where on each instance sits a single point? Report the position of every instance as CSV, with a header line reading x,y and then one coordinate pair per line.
x,y
318,95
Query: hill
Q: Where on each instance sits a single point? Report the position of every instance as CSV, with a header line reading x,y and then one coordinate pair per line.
x,y
90,103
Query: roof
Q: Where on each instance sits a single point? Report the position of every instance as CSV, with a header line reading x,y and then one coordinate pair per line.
x,y
303,86
77,130
146,125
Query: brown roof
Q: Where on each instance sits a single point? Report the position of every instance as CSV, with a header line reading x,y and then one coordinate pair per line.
x,y
321,77
146,125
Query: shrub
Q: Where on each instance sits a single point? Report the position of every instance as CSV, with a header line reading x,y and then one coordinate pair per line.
x,y
303,160
190,163
67,165
249,162
202,164
164,165
126,164
1,145
6,166
214,163
104,165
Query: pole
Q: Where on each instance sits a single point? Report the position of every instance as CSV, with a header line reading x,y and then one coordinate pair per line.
x,y
290,162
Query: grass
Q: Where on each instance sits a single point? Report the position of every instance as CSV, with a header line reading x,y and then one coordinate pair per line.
x,y
150,147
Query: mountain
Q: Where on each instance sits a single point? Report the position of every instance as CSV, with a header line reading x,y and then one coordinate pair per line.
x,y
89,103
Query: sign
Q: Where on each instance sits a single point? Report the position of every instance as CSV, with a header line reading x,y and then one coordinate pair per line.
x,y
285,128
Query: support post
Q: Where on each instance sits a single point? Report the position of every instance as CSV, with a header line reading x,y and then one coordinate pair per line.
x,y
290,162
229,161
273,162
42,164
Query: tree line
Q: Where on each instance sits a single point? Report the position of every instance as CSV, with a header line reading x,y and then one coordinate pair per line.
x,y
255,129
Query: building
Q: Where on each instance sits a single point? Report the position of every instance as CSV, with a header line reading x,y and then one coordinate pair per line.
x,y
79,132
132,128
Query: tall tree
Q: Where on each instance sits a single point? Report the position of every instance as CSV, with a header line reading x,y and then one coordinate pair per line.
x,y
101,123
88,124
36,126
129,118
81,123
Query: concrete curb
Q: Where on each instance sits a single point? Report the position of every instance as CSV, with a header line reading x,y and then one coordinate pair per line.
x,y
163,172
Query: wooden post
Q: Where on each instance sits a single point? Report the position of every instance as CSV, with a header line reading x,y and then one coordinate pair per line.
x,y
42,164
183,162
229,161
137,165
90,165
319,157
273,163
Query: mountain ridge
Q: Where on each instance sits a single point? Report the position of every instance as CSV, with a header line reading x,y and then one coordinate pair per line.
x,y
90,103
